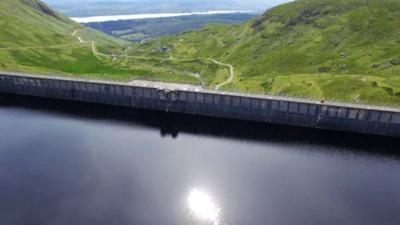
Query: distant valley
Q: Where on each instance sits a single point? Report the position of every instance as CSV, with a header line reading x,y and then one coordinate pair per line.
x,y
85,8
139,30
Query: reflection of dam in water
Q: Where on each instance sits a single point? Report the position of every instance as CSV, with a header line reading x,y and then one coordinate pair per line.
x,y
190,99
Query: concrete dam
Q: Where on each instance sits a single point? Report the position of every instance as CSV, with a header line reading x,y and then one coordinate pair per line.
x,y
191,99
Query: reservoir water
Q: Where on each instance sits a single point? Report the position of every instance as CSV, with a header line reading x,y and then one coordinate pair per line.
x,y
63,163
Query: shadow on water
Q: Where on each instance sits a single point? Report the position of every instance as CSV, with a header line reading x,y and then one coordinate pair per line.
x,y
172,124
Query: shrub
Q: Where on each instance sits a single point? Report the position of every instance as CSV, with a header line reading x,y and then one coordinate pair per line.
x,y
394,62
389,91
324,69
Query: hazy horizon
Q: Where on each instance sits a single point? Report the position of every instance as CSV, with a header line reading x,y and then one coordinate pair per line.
x,y
83,8
243,2
91,19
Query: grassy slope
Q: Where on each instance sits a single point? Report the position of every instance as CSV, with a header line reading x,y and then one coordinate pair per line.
x,y
138,30
347,50
34,38
30,23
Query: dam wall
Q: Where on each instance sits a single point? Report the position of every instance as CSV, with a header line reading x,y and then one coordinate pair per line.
x,y
195,100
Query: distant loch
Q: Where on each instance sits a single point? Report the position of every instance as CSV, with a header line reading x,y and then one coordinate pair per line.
x,y
93,19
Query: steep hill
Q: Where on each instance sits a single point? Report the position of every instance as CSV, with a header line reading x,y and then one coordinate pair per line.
x,y
34,38
28,23
347,50
31,23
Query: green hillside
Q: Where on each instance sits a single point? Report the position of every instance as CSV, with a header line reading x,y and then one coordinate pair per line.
x,y
346,50
34,38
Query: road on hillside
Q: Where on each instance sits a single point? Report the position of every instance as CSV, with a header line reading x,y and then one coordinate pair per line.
x,y
231,74
92,44
125,55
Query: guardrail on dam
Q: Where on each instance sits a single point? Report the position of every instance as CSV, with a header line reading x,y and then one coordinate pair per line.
x,y
194,100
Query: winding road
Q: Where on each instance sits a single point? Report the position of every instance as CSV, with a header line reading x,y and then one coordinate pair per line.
x,y
172,58
92,44
125,55
231,74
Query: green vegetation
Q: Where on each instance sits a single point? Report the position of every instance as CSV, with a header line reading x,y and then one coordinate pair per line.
x,y
34,38
345,50
146,29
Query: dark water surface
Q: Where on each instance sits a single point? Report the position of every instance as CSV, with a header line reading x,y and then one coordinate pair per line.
x,y
75,164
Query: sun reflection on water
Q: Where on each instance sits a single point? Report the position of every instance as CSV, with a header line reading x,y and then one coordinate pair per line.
x,y
203,208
